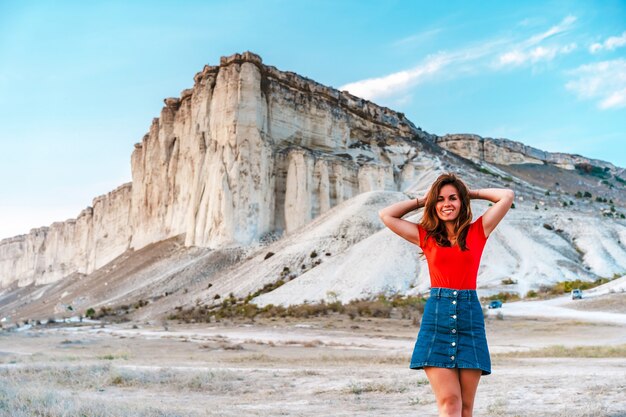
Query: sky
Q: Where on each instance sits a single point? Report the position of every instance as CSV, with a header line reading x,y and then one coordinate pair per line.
x,y
81,81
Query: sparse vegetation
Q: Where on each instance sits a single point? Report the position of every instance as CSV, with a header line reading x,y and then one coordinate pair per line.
x,y
595,171
486,171
407,307
560,351
564,287
504,296
509,281
111,356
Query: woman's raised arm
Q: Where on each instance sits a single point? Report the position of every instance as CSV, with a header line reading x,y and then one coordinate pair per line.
x,y
391,217
502,199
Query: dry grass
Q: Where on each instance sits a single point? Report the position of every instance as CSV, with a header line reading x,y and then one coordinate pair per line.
x,y
100,377
388,386
560,351
20,401
325,359
36,390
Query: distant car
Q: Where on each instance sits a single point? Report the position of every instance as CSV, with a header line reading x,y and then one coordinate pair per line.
x,y
495,304
577,294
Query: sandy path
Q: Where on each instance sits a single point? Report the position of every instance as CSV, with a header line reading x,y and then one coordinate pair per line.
x,y
560,307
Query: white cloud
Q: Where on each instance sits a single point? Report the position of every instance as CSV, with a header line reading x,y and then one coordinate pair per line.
x,y
465,60
562,27
617,99
417,38
396,82
534,55
609,44
373,88
595,48
603,81
530,50
513,57
433,65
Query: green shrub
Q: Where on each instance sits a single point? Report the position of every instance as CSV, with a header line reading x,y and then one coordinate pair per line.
x,y
563,287
504,296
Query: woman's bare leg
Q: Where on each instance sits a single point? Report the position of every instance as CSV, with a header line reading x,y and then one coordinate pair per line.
x,y
469,379
446,385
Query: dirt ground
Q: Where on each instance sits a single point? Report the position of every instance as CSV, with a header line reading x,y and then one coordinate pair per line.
x,y
330,366
614,303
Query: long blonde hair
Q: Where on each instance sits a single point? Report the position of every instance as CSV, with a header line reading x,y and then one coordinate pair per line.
x,y
436,227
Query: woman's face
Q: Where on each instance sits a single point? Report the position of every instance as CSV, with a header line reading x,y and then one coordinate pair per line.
x,y
448,203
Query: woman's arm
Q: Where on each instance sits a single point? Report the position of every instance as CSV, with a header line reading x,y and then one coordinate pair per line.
x,y
391,217
502,199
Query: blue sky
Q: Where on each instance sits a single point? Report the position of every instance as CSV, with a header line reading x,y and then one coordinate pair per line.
x,y
81,81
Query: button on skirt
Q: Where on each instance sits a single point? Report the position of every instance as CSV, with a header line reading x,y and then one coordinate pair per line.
x,y
452,332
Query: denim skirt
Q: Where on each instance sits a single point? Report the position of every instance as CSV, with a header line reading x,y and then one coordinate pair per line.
x,y
452,333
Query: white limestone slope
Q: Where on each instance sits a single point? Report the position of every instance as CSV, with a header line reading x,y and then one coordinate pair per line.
x,y
521,248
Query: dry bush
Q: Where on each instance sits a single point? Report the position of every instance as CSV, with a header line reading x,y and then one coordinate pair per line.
x,y
410,307
560,351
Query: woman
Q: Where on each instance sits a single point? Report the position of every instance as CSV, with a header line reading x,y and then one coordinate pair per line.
x,y
451,344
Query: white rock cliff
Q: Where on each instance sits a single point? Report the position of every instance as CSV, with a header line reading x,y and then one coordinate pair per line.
x,y
247,151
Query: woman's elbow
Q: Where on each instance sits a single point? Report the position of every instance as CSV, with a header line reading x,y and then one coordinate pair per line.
x,y
510,194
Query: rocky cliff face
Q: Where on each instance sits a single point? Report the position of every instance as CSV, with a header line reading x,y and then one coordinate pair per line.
x,y
98,235
247,151
508,152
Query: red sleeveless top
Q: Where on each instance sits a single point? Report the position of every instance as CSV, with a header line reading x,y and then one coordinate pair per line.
x,y
450,267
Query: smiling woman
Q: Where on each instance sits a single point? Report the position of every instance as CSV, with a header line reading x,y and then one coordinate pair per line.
x,y
451,345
